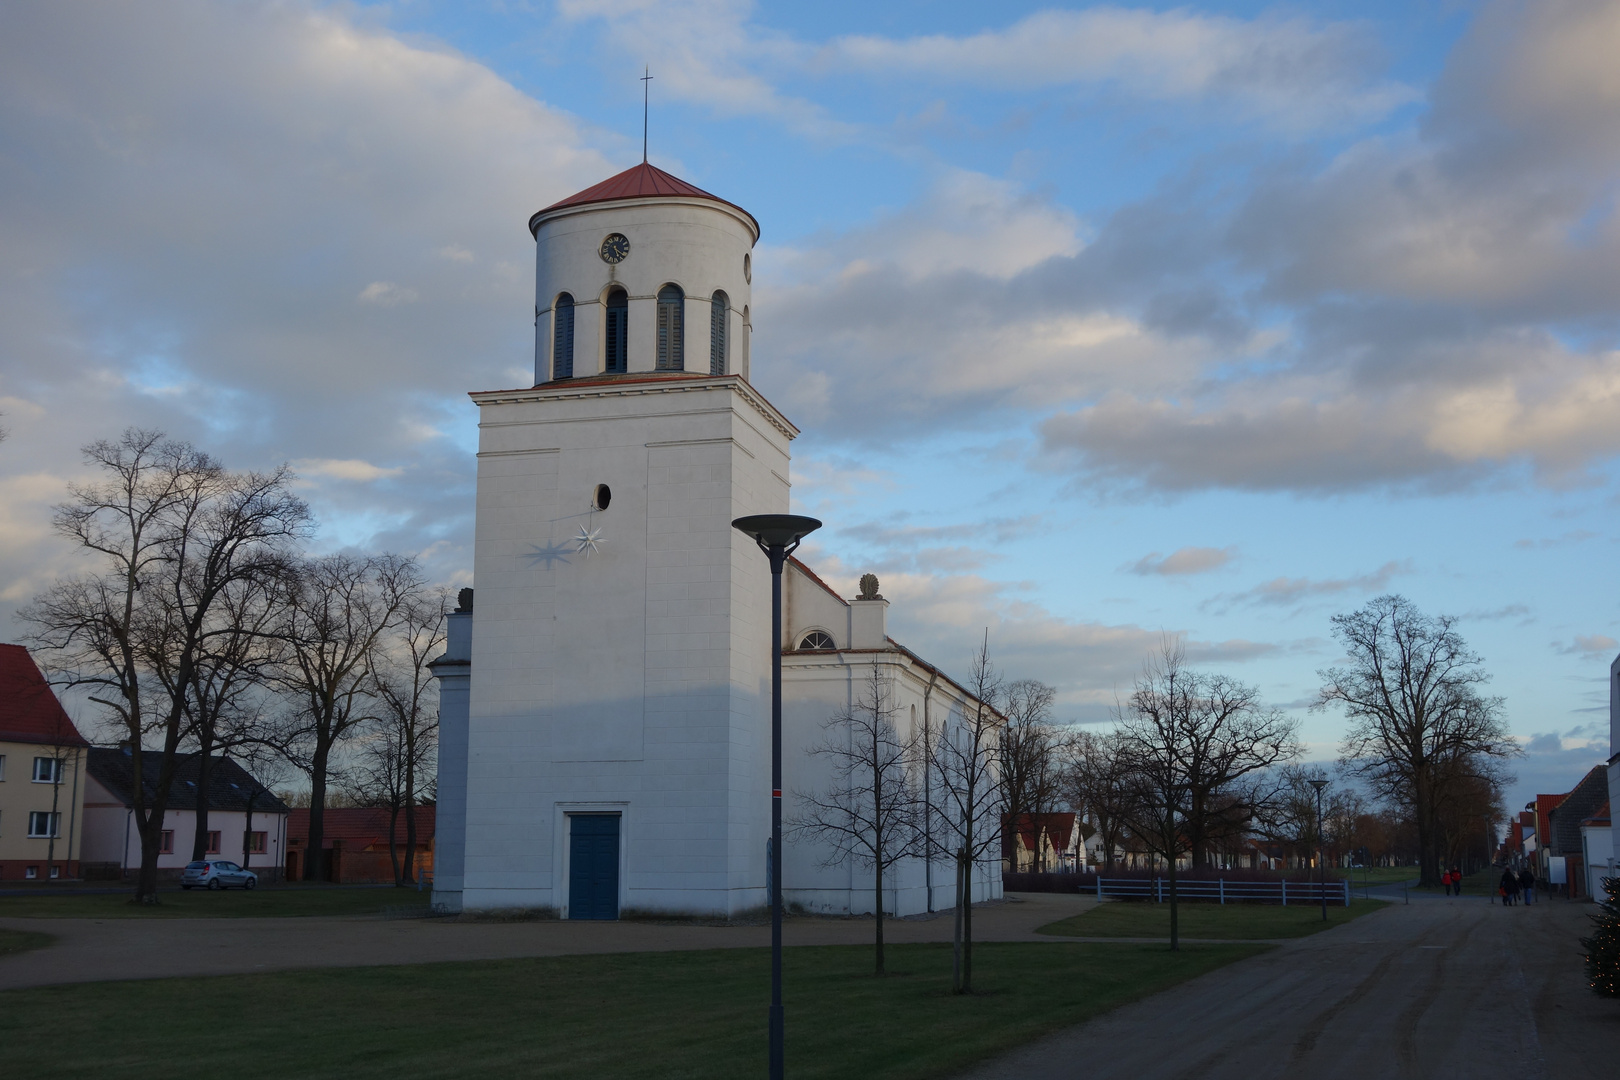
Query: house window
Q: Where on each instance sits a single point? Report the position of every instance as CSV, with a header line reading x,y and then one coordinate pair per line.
x,y
56,872
31,873
2,767
671,329
166,842
47,770
618,331
213,841
817,639
719,309
255,843
562,338
44,825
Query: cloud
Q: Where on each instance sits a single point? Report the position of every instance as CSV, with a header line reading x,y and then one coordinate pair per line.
x,y
1508,611
1590,647
387,294
350,469
1187,560
1291,72
1286,590
1573,537
207,216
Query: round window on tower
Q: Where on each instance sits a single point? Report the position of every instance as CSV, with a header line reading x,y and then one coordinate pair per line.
x,y
601,497
748,268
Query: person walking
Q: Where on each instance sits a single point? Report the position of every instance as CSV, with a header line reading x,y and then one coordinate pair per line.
x,y
1527,882
1509,887
1445,881
1456,880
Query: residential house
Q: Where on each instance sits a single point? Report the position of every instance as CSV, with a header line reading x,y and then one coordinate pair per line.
x,y
1597,850
41,782
1565,857
246,822
356,842
1046,841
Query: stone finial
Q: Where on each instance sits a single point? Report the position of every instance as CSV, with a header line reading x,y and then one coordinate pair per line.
x,y
464,601
869,588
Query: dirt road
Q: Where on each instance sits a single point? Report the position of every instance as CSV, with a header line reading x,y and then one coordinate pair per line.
x,y
1438,989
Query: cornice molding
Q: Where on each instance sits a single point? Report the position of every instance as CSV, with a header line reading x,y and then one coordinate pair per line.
x,y
632,387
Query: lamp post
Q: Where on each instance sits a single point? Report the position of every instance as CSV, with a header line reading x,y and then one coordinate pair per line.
x,y
1321,847
778,536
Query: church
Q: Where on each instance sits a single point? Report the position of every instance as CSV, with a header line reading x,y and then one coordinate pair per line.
x,y
605,711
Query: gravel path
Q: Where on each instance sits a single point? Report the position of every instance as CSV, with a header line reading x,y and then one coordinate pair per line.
x,y
100,950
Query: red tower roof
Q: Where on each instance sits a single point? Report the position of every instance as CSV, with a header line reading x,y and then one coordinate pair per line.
x,y
642,181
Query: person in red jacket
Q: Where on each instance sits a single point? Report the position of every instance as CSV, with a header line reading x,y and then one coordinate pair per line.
x,y
1445,881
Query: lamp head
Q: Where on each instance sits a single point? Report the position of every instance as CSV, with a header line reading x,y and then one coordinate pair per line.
x,y
776,530
1318,785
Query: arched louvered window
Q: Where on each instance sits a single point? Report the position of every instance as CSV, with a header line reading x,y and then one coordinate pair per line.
x,y
618,331
562,338
719,312
671,329
817,639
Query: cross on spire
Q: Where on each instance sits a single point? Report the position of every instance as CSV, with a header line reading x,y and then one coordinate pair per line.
x,y
646,80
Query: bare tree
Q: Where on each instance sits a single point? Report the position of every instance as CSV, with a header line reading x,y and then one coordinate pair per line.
x,y
172,530
338,610
968,813
1418,722
1029,765
227,710
1098,783
869,812
408,712
1201,750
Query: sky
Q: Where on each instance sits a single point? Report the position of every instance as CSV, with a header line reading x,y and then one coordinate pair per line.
x,y
1104,324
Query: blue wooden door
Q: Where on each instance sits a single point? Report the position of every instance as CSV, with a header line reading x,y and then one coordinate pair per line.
x,y
593,866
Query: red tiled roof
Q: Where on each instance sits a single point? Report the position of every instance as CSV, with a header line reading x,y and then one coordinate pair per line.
x,y
1059,827
362,826
642,181
29,711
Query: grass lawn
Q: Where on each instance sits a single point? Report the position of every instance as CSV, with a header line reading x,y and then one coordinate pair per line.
x,y
16,941
1233,921
1380,875
226,904
664,1015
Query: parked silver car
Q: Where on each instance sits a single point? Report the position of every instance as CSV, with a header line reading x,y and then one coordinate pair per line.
x,y
216,874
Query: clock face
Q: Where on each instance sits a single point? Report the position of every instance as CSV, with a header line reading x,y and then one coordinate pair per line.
x,y
615,248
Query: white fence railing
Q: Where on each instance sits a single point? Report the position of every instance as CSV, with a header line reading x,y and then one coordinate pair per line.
x,y
1223,891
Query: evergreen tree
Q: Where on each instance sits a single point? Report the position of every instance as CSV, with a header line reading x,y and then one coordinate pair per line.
x,y
1603,947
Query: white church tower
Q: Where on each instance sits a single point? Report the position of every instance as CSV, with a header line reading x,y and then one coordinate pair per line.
x,y
616,677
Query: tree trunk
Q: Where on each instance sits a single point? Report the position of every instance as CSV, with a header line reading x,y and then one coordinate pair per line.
x,y
146,878
410,811
967,925
247,832
314,864
1175,936
199,840
877,885
956,936
393,842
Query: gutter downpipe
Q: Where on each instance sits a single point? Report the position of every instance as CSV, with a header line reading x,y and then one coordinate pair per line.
x,y
928,796
123,870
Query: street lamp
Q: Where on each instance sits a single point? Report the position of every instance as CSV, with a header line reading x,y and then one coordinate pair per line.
x,y
1321,847
778,536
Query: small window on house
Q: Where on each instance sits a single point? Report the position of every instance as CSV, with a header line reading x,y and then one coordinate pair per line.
x,y
166,842
719,310
255,843
44,825
47,770
618,331
2,767
56,871
601,497
31,873
817,639
213,841
562,338
671,329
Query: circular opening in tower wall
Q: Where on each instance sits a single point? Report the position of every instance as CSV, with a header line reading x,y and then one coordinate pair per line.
x,y
748,269
603,496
